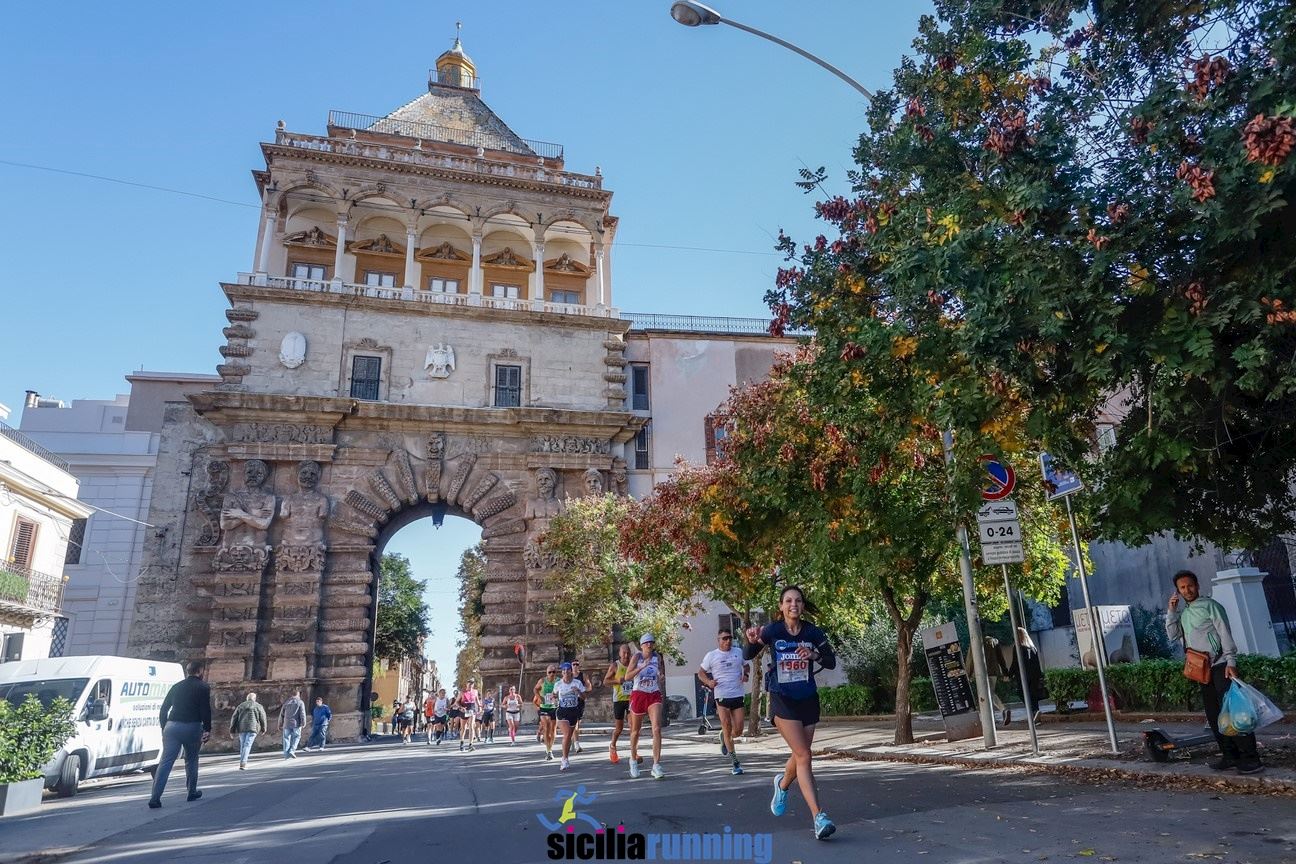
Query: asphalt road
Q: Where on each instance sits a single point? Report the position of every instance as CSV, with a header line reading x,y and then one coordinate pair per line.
x,y
375,804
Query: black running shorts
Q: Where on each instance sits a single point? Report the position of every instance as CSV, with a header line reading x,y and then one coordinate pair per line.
x,y
732,703
803,711
570,715
620,709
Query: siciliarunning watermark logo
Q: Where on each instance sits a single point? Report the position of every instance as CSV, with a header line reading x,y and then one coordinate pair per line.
x,y
578,836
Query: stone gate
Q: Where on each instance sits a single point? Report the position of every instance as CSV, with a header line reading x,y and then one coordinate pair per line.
x,y
427,327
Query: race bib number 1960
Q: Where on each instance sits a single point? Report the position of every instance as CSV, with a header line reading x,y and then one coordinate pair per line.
x,y
791,668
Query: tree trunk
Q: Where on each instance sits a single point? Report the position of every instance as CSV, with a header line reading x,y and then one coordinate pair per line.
x,y
904,717
754,716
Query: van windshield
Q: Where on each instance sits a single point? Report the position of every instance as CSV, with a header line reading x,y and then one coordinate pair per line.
x,y
45,689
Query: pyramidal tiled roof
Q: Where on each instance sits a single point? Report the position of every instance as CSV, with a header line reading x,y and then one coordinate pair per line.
x,y
460,117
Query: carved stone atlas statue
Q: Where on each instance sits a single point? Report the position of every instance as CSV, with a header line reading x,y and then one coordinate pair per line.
x,y
303,514
245,519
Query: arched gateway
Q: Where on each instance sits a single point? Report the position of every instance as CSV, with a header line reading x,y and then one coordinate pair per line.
x,y
368,381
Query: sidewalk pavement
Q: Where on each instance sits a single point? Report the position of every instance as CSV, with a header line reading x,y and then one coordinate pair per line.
x,y
1078,747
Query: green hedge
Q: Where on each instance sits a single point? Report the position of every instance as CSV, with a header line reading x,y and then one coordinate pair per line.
x,y
921,695
1159,685
846,701
30,734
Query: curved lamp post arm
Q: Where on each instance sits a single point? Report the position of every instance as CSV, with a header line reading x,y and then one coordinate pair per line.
x,y
691,13
806,54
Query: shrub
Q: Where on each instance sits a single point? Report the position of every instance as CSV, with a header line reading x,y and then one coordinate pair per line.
x,y
30,735
921,695
1159,685
846,701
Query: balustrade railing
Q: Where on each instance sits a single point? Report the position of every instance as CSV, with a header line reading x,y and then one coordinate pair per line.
x,y
704,324
431,132
434,298
417,156
31,446
30,589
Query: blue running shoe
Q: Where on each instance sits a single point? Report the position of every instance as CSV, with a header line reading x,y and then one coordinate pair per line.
x,y
737,769
779,802
824,827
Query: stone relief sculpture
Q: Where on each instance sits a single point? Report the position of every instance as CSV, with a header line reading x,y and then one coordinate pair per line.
x,y
546,504
593,481
210,499
435,455
304,514
440,361
620,477
292,350
245,519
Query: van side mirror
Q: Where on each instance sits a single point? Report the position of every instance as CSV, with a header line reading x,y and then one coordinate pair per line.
x,y
97,711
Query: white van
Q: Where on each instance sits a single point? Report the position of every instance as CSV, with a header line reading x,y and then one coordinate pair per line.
x,y
115,704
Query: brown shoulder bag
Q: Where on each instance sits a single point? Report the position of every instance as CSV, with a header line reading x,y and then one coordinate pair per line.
x,y
1197,665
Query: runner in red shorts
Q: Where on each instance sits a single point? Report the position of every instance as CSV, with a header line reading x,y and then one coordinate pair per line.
x,y
648,674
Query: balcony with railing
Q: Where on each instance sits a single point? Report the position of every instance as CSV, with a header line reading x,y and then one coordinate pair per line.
x,y
416,155
645,321
423,298
7,431
27,594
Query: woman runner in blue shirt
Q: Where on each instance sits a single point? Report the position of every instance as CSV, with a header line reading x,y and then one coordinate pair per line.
x,y
795,646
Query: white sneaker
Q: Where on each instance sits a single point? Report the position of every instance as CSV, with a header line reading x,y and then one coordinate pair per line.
x,y
579,749
564,765
634,769
657,772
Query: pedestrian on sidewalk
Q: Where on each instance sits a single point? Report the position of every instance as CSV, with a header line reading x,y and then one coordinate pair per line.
x,y
249,720
796,646
292,717
1034,672
185,717
996,670
1203,626
320,717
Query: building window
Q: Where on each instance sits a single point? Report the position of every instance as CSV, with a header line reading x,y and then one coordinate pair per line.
x,y
570,297
508,386
366,375
11,651
23,549
379,279
441,285
76,537
639,386
641,450
299,270
505,292
715,429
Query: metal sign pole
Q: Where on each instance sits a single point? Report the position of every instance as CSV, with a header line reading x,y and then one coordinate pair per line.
x,y
1095,628
1021,663
976,645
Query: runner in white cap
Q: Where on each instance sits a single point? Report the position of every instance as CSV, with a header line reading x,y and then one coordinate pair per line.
x,y
569,691
647,672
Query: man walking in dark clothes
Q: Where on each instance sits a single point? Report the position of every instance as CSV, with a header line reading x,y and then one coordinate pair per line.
x,y
186,723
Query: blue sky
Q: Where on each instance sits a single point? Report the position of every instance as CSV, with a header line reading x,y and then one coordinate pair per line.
x,y
699,133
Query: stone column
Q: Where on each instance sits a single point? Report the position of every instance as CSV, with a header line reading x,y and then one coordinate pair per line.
x,y
341,247
267,240
537,277
411,279
598,275
1241,592
475,272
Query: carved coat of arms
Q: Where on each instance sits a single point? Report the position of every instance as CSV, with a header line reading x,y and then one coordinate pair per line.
x,y
440,361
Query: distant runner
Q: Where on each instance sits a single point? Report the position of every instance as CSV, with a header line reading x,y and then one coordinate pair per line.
x,y
570,691
512,713
543,699
647,673
615,678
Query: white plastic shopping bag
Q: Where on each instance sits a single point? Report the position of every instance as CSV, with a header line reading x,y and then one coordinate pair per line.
x,y
1265,710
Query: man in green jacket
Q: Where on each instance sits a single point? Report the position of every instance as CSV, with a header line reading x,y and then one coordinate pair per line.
x,y
1203,626
248,720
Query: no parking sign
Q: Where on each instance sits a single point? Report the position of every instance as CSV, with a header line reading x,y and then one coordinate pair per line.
x,y
1003,479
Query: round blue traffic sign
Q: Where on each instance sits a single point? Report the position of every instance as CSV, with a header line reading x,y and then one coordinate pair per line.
x,y
1002,479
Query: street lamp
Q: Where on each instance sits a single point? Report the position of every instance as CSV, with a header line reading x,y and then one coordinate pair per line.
x,y
693,14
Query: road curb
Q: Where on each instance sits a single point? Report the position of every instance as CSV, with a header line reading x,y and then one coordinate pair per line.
x,y
1096,771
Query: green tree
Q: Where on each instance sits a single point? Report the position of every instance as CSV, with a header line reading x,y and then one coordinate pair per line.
x,y
402,614
472,582
1052,228
596,588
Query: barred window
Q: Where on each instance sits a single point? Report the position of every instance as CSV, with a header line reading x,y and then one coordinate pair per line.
x,y
641,461
76,538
